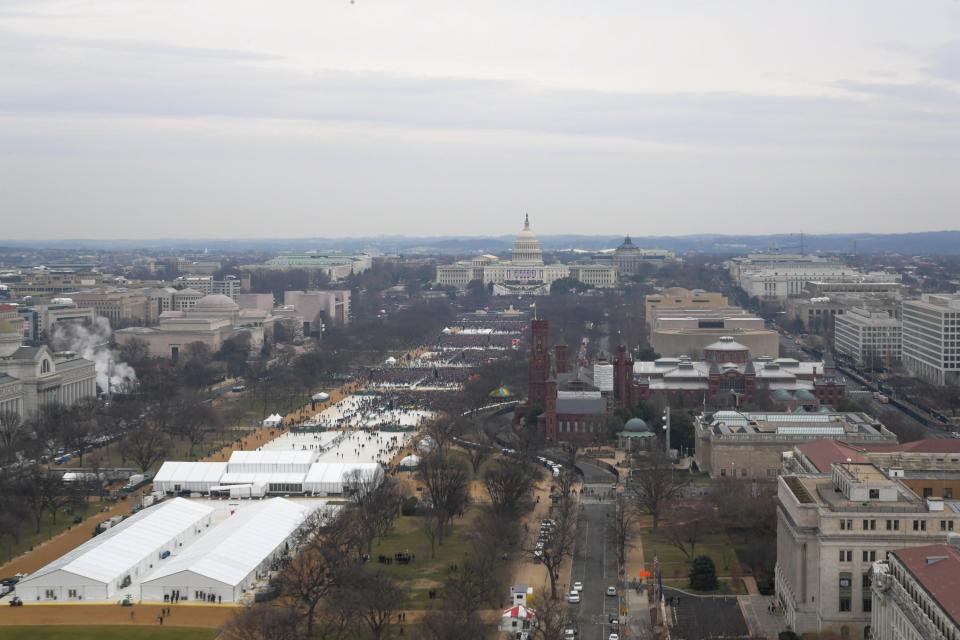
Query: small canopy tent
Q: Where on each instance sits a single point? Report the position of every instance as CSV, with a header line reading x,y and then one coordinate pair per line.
x,y
518,618
273,421
410,462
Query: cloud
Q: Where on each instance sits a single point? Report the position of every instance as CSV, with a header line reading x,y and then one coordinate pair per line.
x,y
946,62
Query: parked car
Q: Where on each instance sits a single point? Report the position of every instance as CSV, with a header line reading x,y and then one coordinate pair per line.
x,y
611,591
573,597
578,586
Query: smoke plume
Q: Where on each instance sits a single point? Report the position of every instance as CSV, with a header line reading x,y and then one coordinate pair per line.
x,y
92,342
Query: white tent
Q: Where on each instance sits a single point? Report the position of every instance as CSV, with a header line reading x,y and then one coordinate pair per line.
x,y
119,557
273,421
426,445
321,397
328,478
410,462
231,558
174,477
271,461
391,360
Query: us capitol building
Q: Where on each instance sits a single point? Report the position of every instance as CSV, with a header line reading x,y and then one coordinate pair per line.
x,y
525,272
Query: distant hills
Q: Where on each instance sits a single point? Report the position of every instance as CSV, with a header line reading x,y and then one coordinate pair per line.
x,y
928,242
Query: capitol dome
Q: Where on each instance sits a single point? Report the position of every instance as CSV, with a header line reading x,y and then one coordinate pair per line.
x,y
526,248
635,425
216,302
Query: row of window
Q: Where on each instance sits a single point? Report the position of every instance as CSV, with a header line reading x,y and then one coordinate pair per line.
x,y
893,525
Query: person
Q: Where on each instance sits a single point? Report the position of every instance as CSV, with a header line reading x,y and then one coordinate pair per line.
x,y
131,614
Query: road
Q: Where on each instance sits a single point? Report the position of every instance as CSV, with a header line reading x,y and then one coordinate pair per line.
x,y
595,557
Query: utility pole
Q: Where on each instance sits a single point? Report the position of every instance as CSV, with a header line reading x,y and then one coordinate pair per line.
x,y
666,427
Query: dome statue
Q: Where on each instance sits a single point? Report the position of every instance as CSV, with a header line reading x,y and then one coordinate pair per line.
x,y
636,425
216,302
526,248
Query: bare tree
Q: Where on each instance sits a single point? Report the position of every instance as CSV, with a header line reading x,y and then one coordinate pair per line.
x,y
479,453
262,622
622,526
13,435
655,484
145,446
552,619
509,486
376,501
448,488
373,597
315,570
558,545
688,530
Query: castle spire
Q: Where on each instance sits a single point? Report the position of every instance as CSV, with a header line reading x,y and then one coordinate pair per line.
x,y
526,222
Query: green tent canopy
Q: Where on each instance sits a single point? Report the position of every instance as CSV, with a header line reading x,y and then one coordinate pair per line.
x,y
501,392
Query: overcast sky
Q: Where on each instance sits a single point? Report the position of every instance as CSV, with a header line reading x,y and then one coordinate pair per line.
x,y
242,118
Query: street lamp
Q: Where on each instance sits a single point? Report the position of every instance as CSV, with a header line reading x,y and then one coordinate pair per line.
x,y
666,428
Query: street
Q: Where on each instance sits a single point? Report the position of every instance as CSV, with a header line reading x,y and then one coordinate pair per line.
x,y
595,557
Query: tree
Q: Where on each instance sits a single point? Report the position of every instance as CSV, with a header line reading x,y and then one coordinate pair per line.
x,y
135,352
373,598
235,351
376,502
552,617
195,420
13,435
688,530
262,622
145,446
622,525
478,454
448,488
509,486
199,370
655,484
80,430
317,568
558,546
703,574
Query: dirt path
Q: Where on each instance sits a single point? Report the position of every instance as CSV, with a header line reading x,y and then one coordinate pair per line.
x,y
181,615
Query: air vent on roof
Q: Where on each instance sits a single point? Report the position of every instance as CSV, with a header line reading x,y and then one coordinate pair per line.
x,y
935,559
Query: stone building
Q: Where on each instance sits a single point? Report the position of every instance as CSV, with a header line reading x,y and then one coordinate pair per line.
x,y
752,444
831,530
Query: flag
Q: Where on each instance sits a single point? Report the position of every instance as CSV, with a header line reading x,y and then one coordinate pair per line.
x,y
659,574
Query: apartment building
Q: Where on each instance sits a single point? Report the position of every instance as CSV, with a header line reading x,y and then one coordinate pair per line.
x,y
916,593
832,528
931,337
870,338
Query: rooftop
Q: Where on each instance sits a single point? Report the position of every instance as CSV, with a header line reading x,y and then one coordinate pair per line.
x,y
936,568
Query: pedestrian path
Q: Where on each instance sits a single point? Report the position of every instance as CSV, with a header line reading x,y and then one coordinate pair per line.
x,y
760,620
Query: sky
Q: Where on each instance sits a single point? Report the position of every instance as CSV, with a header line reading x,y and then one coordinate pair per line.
x,y
246,119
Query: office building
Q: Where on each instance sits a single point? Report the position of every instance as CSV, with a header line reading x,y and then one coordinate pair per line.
x,y
675,298
751,444
207,285
832,528
916,593
677,332
869,338
931,338
629,259
320,307
122,307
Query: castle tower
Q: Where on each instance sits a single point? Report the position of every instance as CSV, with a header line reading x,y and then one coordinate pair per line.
x,y
538,369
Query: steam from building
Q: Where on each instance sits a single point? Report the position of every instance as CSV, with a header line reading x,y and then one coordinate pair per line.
x,y
92,342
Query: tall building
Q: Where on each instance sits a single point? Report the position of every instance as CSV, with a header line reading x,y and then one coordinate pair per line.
x,y
207,285
916,593
119,306
832,528
931,337
525,272
31,377
628,258
317,307
869,338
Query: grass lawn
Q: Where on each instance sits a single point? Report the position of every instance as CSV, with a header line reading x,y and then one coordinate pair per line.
x,y
423,574
31,538
675,564
105,632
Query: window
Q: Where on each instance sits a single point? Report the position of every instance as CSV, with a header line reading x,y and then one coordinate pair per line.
x,y
867,605
846,525
927,492
71,593
844,603
874,494
49,594
919,525
946,525
948,493
869,556
723,472
869,525
846,555
893,525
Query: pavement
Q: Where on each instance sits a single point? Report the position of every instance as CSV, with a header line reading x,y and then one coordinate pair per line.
x,y
760,621
693,617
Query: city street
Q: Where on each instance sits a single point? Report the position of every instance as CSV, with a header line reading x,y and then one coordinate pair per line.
x,y
595,558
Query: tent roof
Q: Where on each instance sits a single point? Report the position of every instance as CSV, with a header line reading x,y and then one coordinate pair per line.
x,y
322,472
273,457
262,477
111,553
172,471
236,547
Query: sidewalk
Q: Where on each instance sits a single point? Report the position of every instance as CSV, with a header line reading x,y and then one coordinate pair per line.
x,y
760,621
639,625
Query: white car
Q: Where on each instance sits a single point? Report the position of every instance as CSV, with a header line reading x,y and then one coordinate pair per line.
x,y
578,586
573,597
611,591
614,636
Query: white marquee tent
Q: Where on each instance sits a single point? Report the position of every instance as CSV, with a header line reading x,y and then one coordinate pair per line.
x,y
271,461
174,477
229,559
328,478
119,557
274,420
410,462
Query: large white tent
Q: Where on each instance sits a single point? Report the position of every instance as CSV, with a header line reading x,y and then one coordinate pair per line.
x,y
271,461
328,478
119,557
174,477
232,557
